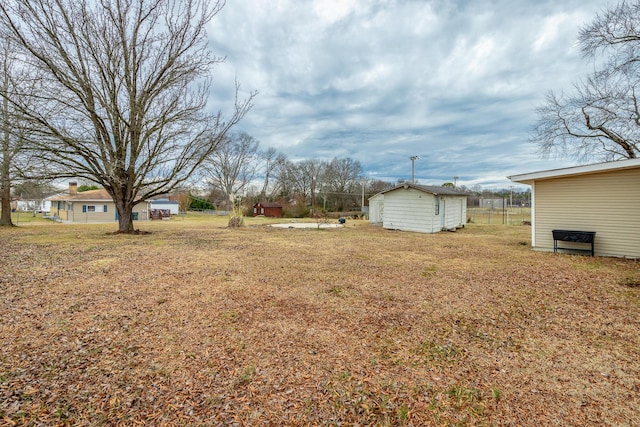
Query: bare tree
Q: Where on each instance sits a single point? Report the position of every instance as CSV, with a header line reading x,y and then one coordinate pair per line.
x,y
601,117
233,165
272,160
12,129
122,93
341,177
7,145
284,177
615,33
377,185
599,120
299,181
311,171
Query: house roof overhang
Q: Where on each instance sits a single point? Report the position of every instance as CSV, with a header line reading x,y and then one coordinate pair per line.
x,y
529,178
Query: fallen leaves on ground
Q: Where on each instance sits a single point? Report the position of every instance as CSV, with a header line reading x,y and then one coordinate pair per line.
x,y
201,325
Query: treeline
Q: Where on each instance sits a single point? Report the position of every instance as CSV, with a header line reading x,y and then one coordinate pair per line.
x,y
239,173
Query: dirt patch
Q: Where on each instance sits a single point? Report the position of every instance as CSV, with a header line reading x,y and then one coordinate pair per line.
x,y
136,232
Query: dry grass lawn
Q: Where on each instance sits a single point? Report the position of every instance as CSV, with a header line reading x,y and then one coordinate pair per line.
x,y
197,324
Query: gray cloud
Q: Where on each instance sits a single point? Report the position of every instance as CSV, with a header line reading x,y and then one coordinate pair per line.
x,y
455,82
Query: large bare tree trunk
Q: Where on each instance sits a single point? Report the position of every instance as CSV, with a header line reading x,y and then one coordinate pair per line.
x,y
5,147
123,198
125,221
5,189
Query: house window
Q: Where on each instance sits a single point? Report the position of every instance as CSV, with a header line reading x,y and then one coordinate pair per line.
x,y
94,208
135,215
437,209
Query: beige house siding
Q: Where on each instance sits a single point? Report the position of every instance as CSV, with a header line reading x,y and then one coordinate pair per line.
x,y
73,211
60,209
142,210
607,203
99,215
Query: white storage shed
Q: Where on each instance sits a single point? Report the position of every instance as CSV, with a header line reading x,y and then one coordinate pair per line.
x,y
420,208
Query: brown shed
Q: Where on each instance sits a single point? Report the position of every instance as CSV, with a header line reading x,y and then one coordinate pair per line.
x,y
269,209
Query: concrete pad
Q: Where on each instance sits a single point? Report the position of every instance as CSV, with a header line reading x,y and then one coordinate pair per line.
x,y
306,225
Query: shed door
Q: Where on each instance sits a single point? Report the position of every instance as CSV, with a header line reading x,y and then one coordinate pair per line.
x,y
443,210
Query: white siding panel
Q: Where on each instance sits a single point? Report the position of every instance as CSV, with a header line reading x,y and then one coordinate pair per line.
x,y
607,203
455,211
410,210
174,208
376,208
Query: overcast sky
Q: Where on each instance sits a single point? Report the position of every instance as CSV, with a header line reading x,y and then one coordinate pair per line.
x,y
454,82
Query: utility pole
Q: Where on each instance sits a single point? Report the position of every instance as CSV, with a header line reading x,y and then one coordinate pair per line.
x,y
455,182
413,159
510,195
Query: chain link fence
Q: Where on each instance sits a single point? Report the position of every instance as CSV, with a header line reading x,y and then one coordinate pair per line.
x,y
507,216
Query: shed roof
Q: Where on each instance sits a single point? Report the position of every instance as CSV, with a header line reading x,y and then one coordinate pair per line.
x,y
269,204
528,178
432,189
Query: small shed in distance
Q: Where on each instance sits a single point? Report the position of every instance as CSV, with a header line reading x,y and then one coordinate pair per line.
x,y
268,209
165,204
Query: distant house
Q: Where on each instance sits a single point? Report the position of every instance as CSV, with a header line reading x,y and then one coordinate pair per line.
x,y
268,209
601,198
421,208
33,205
163,204
90,206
